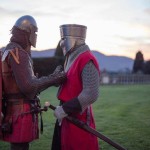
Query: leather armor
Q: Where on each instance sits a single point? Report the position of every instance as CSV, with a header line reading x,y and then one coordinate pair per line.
x,y
21,88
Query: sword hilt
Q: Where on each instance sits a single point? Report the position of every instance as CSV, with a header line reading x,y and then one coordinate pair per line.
x,y
47,104
38,110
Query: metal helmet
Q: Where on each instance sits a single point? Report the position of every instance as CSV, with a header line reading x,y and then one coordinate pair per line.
x,y
28,24
71,35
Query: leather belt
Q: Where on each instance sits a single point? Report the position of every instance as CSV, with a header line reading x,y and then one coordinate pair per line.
x,y
14,96
18,98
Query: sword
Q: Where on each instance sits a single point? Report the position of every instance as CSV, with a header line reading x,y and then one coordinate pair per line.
x,y
36,111
87,128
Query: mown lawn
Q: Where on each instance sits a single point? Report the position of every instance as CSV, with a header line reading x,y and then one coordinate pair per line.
x,y
122,113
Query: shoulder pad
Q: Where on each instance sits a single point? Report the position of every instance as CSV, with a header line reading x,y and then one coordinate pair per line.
x,y
13,52
5,54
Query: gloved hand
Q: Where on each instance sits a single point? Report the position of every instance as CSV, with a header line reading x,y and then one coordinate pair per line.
x,y
59,113
58,76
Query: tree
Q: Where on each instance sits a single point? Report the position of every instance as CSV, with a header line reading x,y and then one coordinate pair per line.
x,y
138,66
147,67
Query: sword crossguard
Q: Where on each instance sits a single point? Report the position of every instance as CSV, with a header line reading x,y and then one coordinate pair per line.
x,y
36,111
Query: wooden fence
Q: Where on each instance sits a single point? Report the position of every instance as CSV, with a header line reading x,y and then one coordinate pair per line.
x,y
125,79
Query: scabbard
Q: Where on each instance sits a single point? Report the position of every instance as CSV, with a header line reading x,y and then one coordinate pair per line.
x,y
87,128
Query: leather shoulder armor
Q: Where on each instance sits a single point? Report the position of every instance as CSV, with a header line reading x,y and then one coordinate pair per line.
x,y
15,54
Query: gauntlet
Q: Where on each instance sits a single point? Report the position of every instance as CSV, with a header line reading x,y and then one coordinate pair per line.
x,y
58,76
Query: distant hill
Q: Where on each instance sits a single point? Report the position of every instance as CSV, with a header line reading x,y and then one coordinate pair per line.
x,y
109,63
43,53
114,63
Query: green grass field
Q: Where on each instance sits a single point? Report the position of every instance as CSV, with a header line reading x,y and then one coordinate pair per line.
x,y
122,113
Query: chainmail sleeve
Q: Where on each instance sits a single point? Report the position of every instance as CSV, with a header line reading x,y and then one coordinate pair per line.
x,y
27,82
90,81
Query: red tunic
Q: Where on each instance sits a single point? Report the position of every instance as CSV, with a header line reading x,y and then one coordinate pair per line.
x,y
72,137
25,129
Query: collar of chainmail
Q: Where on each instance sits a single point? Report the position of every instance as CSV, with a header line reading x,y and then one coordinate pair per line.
x,y
12,45
75,53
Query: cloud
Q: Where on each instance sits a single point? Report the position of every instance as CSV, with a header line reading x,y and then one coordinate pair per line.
x,y
110,23
10,12
147,11
135,40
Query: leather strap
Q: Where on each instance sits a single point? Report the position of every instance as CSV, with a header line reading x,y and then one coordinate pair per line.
x,y
14,96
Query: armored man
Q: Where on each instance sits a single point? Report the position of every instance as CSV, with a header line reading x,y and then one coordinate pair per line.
x,y
21,86
77,93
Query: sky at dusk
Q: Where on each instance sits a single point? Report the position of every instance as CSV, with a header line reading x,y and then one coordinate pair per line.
x,y
114,27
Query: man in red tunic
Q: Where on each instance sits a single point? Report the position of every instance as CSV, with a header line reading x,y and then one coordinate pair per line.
x,y
77,93
21,86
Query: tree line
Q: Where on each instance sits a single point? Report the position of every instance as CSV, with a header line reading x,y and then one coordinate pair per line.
x,y
45,66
